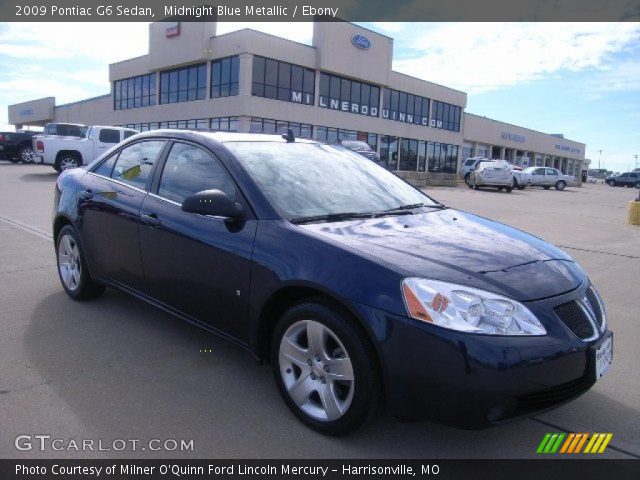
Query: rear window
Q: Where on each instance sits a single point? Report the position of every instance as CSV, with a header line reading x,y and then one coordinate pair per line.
x,y
66,130
129,133
109,136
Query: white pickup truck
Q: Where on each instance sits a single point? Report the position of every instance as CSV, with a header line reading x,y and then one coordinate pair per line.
x,y
68,145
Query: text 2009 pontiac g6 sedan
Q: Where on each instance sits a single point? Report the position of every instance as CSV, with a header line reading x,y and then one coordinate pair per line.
x,y
354,285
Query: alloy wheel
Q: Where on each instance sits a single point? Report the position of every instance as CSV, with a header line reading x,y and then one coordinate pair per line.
x,y
68,162
316,370
26,155
69,264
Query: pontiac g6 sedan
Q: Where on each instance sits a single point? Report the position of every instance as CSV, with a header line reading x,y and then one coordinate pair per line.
x,y
355,286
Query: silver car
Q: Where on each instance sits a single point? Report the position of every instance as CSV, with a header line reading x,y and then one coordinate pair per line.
x,y
492,174
546,178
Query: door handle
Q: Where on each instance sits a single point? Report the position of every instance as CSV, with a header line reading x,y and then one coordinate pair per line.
x,y
151,219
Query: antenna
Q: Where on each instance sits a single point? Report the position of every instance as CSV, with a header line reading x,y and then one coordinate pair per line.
x,y
289,137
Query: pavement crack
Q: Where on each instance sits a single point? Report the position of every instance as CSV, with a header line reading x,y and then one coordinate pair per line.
x,y
597,251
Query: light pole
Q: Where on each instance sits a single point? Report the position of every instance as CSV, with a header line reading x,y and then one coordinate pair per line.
x,y
599,158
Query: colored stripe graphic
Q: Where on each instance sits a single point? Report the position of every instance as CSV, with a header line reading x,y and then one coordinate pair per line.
x,y
574,442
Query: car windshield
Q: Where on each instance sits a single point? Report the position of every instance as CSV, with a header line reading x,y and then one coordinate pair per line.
x,y
311,179
355,144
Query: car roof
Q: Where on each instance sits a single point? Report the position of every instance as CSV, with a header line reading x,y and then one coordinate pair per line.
x,y
224,137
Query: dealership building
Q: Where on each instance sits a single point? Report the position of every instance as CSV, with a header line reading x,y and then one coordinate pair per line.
x,y
342,86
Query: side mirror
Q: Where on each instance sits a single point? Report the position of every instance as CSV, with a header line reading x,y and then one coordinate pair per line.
x,y
214,203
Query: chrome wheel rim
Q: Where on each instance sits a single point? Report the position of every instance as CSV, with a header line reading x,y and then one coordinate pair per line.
x,y
316,370
68,162
69,264
26,155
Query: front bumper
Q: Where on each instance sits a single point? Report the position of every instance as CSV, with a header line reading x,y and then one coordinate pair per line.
x,y
475,381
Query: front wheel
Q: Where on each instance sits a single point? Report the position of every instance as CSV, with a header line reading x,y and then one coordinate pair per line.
x,y
72,267
467,177
560,185
509,189
325,368
26,154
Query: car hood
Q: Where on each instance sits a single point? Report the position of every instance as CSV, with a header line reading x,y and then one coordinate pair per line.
x,y
459,247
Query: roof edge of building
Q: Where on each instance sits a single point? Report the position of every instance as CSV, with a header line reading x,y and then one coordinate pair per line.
x,y
84,100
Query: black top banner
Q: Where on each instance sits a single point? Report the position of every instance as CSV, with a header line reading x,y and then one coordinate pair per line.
x,y
318,469
308,10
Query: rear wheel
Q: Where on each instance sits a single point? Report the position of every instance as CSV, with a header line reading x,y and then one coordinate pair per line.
x,y
325,368
66,161
72,267
467,178
509,189
560,185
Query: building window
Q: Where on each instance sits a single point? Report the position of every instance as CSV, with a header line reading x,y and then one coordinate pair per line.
x,y
338,93
389,152
408,155
443,158
225,75
446,116
282,81
224,124
266,125
134,92
183,84
405,107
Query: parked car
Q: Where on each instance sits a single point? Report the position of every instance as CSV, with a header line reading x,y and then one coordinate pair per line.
x,y
627,179
17,146
520,179
492,174
363,148
591,179
549,177
65,145
353,284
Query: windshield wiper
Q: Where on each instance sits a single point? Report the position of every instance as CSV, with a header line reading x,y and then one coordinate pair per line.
x,y
331,217
402,208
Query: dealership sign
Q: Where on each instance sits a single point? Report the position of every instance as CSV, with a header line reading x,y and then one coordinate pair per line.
x,y
514,137
564,148
300,97
26,113
172,29
361,42
405,117
344,106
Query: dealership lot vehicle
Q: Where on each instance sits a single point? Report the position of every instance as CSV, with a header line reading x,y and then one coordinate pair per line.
x,y
627,179
520,179
67,146
492,174
546,178
227,231
361,147
17,146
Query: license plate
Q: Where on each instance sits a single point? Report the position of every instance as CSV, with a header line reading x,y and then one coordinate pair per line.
x,y
603,356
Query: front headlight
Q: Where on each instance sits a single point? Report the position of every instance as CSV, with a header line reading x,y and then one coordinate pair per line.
x,y
467,309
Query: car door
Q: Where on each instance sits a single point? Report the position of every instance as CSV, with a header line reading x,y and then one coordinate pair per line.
x,y
109,209
104,139
632,179
551,176
196,264
538,176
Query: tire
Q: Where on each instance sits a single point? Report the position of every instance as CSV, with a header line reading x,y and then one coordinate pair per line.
x,y
14,159
521,187
310,370
72,267
66,161
560,185
467,178
25,154
509,189
546,187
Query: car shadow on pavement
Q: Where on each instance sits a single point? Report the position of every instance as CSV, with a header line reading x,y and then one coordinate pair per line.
x,y
39,177
124,369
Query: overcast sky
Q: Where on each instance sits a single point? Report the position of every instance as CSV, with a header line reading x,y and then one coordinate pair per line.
x,y
579,79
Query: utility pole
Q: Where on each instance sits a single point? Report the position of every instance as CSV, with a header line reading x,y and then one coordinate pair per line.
x,y
636,163
599,158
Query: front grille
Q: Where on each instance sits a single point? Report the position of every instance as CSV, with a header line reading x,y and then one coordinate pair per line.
x,y
592,297
552,396
575,318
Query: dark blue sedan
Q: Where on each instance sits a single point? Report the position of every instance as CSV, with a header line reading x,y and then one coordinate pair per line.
x,y
354,285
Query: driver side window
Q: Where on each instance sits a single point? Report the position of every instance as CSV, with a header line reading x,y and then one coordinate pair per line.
x,y
190,170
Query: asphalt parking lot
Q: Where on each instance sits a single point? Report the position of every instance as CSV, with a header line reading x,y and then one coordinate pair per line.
x,y
116,368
